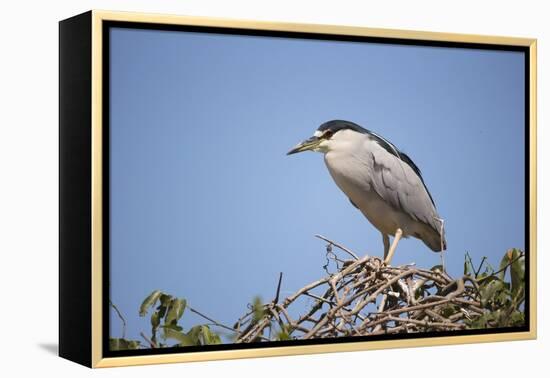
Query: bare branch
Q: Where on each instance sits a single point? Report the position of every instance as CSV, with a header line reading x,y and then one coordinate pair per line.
x,y
151,342
338,246
121,318
276,300
215,322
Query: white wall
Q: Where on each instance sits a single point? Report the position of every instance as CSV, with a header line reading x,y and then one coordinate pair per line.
x,y
28,183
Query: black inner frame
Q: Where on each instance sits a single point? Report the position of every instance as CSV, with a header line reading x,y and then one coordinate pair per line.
x,y
107,25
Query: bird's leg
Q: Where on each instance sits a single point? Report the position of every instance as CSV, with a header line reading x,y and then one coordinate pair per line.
x,y
386,240
398,235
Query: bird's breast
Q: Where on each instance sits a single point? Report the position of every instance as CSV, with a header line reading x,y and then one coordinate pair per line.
x,y
352,175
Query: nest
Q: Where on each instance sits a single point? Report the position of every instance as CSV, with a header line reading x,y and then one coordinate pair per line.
x,y
365,297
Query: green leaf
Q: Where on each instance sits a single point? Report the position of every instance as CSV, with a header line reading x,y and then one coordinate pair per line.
x,y
194,334
480,322
283,336
182,338
206,335
173,326
209,337
258,308
123,344
133,344
117,344
149,302
198,335
517,318
165,299
484,281
175,310
503,267
155,320
216,339
517,272
489,290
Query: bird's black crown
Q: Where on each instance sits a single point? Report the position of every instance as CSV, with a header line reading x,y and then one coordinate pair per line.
x,y
338,124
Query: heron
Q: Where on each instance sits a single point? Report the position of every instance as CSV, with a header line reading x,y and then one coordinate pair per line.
x,y
379,180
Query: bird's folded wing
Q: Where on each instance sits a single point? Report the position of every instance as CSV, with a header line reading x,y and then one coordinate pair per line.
x,y
398,184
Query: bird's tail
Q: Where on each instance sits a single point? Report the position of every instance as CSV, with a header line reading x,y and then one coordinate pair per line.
x,y
435,239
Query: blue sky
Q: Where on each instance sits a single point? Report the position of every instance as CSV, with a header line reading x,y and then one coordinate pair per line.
x,y
206,205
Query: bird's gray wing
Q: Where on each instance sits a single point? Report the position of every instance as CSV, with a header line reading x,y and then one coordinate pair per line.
x,y
399,184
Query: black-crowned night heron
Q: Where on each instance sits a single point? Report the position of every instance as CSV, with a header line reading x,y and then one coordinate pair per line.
x,y
379,180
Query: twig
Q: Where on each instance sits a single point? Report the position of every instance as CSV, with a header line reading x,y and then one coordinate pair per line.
x,y
338,246
276,300
480,266
320,298
121,318
502,269
215,322
151,342
426,324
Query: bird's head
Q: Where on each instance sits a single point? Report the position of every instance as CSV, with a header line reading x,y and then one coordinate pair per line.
x,y
329,135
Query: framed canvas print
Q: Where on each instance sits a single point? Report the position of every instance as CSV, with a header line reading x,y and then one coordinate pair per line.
x,y
235,189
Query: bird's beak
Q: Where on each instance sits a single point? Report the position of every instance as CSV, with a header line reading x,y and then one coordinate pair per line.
x,y
306,145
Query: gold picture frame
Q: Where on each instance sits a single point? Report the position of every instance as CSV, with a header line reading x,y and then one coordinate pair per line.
x,y
81,241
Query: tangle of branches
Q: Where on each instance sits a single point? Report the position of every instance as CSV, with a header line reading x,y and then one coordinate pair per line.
x,y
366,297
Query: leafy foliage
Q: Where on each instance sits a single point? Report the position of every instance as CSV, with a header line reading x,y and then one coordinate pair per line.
x,y
166,312
502,298
123,344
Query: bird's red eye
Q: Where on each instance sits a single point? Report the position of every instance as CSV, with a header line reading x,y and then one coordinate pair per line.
x,y
328,134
